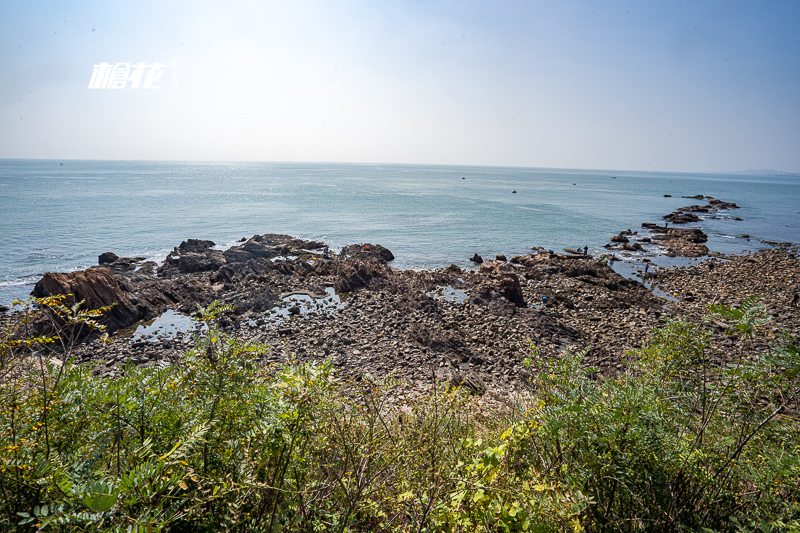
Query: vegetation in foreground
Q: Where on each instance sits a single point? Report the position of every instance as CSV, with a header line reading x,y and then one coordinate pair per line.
x,y
221,442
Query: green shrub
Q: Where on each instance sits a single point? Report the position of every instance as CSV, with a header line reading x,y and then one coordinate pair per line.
x,y
222,441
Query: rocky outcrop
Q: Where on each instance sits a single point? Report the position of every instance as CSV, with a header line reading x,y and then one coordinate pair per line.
x,y
132,268
500,281
96,287
355,274
367,252
679,217
193,255
719,204
681,242
269,246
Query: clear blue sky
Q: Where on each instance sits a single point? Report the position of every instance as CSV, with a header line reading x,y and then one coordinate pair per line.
x,y
650,85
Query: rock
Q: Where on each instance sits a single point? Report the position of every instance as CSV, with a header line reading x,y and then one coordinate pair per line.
x,y
476,259
132,268
192,255
368,252
696,197
667,196
499,280
355,274
501,257
97,287
4,309
719,204
695,209
107,257
445,342
619,238
681,218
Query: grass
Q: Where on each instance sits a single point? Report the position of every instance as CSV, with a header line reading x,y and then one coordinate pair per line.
x,y
224,442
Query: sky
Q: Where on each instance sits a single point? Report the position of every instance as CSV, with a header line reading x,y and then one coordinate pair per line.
x,y
692,86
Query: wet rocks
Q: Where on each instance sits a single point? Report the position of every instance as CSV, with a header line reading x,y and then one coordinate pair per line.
x,y
132,268
719,204
193,255
367,252
681,242
476,259
687,214
271,245
679,217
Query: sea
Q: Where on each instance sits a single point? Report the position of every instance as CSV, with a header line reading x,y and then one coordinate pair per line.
x,y
59,215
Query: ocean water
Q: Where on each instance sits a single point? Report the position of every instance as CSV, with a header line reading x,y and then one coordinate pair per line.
x,y
60,215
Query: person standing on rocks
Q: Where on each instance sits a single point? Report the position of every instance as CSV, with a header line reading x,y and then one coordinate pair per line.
x,y
585,251
794,301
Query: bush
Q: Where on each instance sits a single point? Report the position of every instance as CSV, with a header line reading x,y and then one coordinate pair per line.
x,y
221,441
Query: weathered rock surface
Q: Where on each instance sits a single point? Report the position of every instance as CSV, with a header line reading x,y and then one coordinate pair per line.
x,y
193,255
368,252
96,287
680,217
392,321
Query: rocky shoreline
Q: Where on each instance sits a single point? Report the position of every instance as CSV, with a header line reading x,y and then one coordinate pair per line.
x,y
467,327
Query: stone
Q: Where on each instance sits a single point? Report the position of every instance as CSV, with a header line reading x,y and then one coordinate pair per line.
x,y
96,287
368,252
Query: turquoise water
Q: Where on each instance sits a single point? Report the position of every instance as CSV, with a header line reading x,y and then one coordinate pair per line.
x,y
60,215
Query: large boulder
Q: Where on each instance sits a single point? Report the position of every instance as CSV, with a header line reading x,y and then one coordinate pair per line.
x,y
356,273
500,280
96,287
367,252
681,242
193,255
132,268
271,245
679,217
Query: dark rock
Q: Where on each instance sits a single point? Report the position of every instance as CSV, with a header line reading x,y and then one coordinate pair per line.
x,y
368,252
107,257
694,209
719,204
667,196
500,280
192,255
4,309
476,259
501,257
696,197
619,238
681,218
355,274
